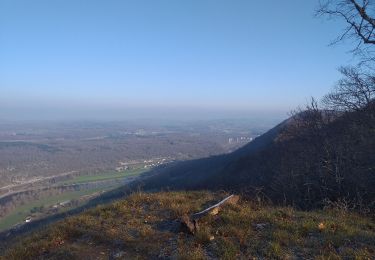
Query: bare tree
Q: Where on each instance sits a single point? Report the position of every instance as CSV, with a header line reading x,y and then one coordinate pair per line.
x,y
307,122
353,92
359,15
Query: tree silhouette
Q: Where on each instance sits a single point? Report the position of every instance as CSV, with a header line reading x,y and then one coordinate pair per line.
x,y
360,21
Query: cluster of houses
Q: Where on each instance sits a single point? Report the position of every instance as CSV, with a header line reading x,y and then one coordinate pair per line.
x,y
154,163
123,166
242,139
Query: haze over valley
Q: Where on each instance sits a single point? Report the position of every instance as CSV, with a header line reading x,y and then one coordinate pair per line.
x,y
190,129
45,158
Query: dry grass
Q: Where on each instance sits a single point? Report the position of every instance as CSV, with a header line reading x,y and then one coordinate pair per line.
x,y
145,226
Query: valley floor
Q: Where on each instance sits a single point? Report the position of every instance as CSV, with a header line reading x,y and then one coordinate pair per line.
x,y
147,226
83,188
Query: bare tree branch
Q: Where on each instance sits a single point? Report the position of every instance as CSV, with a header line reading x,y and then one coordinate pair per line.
x,y
353,92
360,24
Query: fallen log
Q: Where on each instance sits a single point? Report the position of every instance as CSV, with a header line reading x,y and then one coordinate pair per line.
x,y
190,223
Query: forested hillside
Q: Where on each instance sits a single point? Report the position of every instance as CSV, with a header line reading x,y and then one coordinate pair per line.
x,y
318,157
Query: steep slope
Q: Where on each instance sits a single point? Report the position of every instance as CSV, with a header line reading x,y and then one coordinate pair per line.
x,y
201,173
307,161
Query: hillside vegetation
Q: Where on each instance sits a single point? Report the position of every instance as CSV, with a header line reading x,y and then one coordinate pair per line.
x,y
146,226
315,158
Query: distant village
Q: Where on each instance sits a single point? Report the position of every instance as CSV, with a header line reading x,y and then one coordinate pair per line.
x,y
146,164
241,139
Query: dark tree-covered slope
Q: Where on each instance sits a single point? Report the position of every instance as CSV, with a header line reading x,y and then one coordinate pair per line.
x,y
312,159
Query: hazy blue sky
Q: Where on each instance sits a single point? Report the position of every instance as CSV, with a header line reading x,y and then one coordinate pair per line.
x,y
92,57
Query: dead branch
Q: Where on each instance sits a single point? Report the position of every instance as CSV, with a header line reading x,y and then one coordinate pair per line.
x,y
190,223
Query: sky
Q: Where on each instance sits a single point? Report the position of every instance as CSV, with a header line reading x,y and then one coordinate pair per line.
x,y
185,58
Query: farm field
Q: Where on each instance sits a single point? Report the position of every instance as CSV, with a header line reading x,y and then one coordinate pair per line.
x,y
22,212
104,176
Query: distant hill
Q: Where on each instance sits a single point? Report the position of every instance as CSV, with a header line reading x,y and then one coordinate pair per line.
x,y
310,160
200,173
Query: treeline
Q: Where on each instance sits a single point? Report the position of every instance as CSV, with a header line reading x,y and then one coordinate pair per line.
x,y
327,154
322,156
